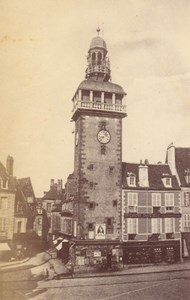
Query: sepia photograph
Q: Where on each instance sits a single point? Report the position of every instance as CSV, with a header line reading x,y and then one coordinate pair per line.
x,y
94,149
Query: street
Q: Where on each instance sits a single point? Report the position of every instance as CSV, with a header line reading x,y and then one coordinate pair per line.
x,y
168,285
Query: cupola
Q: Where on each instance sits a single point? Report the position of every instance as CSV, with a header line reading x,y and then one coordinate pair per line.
x,y
98,63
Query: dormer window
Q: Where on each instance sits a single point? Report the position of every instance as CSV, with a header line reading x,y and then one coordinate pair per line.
x,y
131,179
187,176
166,179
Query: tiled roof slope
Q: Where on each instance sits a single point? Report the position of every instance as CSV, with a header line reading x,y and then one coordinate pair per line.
x,y
155,175
182,160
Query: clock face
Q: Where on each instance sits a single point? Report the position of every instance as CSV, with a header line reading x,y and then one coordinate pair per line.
x,y
103,136
76,138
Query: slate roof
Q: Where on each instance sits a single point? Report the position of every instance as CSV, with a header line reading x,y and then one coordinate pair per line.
x,y
53,194
102,86
155,175
3,172
19,197
182,160
26,186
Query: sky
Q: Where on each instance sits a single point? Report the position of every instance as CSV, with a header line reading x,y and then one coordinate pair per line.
x,y
43,50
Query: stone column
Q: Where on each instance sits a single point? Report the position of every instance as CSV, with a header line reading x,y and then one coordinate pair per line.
x,y
102,100
113,101
80,95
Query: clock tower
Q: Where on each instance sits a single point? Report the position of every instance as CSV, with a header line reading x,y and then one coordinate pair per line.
x,y
98,110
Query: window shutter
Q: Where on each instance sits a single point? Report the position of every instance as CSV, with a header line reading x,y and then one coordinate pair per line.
x,y
132,199
169,225
132,225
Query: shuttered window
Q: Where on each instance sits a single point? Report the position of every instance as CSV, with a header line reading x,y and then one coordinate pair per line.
x,y
186,220
169,225
156,199
132,199
169,199
156,225
132,225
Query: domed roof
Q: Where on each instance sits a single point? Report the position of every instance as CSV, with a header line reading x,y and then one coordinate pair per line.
x,y
95,85
98,42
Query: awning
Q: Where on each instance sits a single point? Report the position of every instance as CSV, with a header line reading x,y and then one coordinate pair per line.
x,y
4,247
59,246
57,240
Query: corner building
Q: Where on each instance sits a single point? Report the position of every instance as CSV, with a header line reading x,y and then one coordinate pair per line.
x,y
98,110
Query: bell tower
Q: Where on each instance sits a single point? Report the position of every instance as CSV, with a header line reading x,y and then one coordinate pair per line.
x,y
98,110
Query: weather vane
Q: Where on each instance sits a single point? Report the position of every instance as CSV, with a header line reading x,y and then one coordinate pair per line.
x,y
98,30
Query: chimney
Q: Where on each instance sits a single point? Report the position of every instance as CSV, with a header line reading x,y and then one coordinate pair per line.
x,y
59,186
9,165
51,183
170,158
143,176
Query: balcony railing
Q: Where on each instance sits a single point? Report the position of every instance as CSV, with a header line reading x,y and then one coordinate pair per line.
x,y
99,106
97,68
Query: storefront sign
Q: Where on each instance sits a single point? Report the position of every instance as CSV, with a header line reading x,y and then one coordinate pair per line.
x,y
97,253
151,215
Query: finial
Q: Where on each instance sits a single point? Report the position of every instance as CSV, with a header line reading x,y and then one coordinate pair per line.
x,y
98,30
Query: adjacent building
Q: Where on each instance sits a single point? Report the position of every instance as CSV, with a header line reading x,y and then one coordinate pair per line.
x,y
151,213
178,159
7,206
52,204
17,211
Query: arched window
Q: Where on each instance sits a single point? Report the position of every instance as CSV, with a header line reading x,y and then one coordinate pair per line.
x,y
99,58
93,57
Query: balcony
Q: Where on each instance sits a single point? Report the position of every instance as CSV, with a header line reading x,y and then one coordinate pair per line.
x,y
98,69
99,106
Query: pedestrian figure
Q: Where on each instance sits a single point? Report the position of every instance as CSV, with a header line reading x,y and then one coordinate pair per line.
x,y
47,273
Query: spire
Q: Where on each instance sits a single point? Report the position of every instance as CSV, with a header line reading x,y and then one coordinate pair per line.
x,y
98,63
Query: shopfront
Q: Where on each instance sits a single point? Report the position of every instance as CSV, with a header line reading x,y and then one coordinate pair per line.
x,y
101,254
151,252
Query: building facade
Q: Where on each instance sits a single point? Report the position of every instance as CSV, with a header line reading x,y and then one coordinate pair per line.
x,y
151,213
178,159
7,206
17,211
52,204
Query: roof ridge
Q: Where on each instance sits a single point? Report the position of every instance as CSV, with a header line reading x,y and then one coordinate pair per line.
x,y
149,164
182,147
